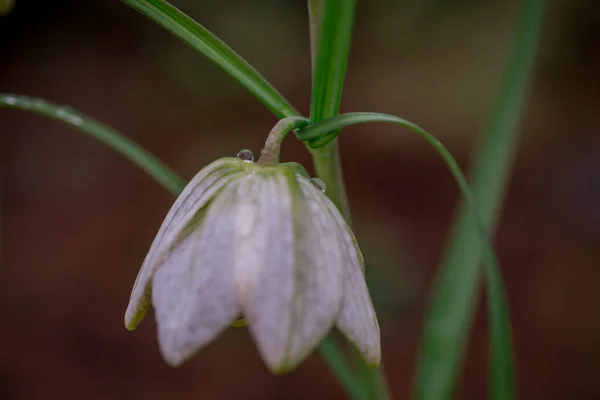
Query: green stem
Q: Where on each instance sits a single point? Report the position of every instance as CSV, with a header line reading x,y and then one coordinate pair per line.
x,y
270,152
373,380
328,168
335,358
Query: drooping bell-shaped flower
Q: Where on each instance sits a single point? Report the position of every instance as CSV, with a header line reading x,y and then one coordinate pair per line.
x,y
262,241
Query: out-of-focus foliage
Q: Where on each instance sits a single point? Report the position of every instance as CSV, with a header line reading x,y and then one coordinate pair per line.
x,y
6,6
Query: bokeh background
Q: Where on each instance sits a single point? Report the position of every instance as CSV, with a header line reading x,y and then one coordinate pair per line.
x,y
77,218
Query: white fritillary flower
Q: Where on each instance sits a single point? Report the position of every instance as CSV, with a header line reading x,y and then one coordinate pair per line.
x,y
262,241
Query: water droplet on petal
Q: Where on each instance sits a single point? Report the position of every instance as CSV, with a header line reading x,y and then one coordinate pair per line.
x,y
246,155
319,184
10,100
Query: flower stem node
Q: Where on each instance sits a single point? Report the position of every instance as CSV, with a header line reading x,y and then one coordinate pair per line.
x,y
259,241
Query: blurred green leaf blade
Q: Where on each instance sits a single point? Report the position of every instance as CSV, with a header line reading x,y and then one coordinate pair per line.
x,y
455,290
6,7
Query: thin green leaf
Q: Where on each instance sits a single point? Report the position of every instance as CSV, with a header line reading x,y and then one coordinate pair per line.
x,y
500,342
314,12
447,328
108,136
333,46
194,34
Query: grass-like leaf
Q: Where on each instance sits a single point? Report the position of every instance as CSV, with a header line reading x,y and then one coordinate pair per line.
x,y
333,46
121,144
500,342
201,39
455,290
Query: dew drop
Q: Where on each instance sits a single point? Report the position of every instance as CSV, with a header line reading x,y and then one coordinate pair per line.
x,y
74,119
246,155
68,115
10,100
319,184
62,113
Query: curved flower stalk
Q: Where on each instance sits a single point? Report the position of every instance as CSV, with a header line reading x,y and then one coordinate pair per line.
x,y
258,240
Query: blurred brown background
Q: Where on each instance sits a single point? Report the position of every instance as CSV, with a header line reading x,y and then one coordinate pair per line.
x,y
77,218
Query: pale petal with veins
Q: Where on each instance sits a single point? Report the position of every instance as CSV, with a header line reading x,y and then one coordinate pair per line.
x,y
193,292
357,320
319,255
264,264
195,196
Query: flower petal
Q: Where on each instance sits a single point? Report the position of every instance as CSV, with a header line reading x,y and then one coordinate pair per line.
x,y
264,262
194,197
357,320
321,257
288,272
193,292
